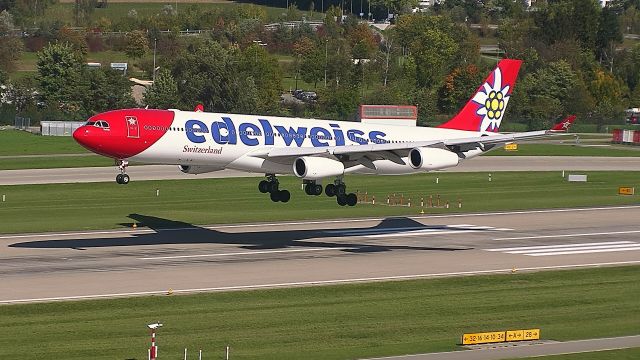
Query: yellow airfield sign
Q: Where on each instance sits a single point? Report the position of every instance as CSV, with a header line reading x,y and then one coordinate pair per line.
x,y
500,336
483,338
626,190
511,147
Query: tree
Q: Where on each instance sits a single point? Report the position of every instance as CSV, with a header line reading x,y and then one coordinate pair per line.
x,y
608,36
137,44
77,39
10,46
568,19
312,67
163,94
59,70
104,89
458,87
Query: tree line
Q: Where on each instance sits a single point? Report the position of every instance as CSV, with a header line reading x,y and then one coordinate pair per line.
x,y
575,61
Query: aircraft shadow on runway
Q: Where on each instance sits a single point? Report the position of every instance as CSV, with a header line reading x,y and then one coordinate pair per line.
x,y
172,232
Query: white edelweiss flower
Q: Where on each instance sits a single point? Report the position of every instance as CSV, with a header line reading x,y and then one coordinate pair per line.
x,y
493,100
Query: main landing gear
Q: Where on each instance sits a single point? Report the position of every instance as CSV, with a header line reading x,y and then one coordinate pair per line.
x,y
339,190
271,186
122,178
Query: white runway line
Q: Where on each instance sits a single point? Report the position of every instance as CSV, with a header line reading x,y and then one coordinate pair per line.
x,y
243,253
570,249
318,282
568,235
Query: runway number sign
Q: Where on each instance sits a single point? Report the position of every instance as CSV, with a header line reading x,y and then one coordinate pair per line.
x,y
483,338
511,147
626,190
500,336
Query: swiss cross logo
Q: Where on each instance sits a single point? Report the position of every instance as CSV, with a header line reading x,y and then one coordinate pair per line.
x,y
133,130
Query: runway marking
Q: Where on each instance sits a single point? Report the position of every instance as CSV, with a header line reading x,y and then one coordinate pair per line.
x,y
568,235
571,249
318,282
243,253
340,221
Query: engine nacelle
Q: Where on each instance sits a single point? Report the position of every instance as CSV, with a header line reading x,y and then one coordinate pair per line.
x,y
198,169
425,158
314,168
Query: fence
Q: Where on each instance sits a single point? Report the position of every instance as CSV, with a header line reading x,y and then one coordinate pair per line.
x,y
22,123
59,128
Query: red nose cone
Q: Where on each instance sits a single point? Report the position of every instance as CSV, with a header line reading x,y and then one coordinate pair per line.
x,y
88,137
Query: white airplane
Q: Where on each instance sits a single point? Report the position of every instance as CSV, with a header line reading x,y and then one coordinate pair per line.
x,y
310,149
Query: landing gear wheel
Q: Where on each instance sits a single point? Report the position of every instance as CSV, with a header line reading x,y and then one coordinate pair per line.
x,y
284,195
274,187
125,179
307,189
275,196
317,189
352,199
342,200
119,178
263,186
330,190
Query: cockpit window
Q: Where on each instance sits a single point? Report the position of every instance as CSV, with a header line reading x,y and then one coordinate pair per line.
x,y
101,124
90,123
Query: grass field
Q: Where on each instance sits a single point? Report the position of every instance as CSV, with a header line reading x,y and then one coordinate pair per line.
x,y
14,142
49,162
56,207
116,11
330,322
525,149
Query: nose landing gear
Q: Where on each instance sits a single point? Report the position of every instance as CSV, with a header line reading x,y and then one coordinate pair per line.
x,y
122,178
272,186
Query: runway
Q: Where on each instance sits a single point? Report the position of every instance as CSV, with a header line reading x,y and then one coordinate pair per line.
x,y
169,172
75,265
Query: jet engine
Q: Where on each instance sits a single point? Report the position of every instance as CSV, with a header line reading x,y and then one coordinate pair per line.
x,y
198,169
424,158
314,168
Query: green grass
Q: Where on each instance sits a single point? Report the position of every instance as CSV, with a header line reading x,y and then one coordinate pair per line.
x,y
14,142
330,322
567,150
205,201
623,354
49,162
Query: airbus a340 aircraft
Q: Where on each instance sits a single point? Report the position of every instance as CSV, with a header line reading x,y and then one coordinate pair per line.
x,y
310,149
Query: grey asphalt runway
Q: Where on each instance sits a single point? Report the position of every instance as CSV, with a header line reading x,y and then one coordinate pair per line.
x,y
165,172
76,265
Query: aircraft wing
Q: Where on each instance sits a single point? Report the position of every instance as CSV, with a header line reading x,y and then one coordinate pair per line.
x,y
366,154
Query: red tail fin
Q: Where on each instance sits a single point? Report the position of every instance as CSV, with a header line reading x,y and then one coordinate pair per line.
x,y
484,111
565,124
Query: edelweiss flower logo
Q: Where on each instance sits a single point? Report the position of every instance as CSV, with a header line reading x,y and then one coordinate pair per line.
x,y
493,100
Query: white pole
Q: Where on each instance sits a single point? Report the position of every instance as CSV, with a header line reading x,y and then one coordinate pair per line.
x,y
200,356
437,180
227,356
148,354
3,197
185,353
562,177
